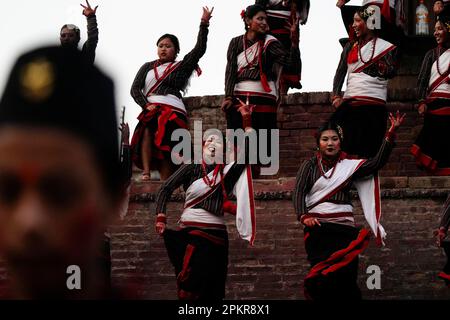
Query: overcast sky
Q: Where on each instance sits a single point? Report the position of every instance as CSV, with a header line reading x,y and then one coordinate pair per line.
x,y
129,29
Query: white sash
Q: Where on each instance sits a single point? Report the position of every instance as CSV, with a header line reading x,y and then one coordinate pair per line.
x,y
438,85
361,85
169,99
255,88
249,57
368,191
151,83
243,189
382,47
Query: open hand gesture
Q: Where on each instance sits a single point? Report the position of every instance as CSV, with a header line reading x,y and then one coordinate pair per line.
x,y
88,11
396,121
207,14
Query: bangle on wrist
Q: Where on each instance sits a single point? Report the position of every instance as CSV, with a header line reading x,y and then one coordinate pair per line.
x,y
161,218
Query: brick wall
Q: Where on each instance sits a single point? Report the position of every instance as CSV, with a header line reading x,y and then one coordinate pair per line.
x,y
274,268
298,118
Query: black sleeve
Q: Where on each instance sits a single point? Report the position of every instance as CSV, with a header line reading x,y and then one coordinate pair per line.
x,y
138,84
424,76
91,43
374,164
191,59
180,176
341,71
302,187
231,68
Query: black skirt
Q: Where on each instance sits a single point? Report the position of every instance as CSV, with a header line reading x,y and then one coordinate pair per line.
x,y
432,146
200,260
364,128
333,250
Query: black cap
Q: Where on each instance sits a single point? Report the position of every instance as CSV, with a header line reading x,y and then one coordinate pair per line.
x,y
56,87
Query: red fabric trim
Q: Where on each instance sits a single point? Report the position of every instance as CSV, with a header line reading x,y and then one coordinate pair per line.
x,y
329,215
444,276
422,159
252,204
306,236
440,112
363,100
386,11
341,257
161,219
437,95
215,240
279,31
439,81
255,94
204,225
375,59
265,108
184,273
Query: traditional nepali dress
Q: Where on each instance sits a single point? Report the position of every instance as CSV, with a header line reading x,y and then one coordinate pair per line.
x,y
160,84
323,191
363,114
199,249
252,74
279,14
432,146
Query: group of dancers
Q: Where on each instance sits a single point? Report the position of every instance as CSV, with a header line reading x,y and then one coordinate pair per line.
x,y
262,64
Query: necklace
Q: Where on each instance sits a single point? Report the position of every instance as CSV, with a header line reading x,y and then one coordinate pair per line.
x,y
322,170
374,41
250,63
438,53
155,70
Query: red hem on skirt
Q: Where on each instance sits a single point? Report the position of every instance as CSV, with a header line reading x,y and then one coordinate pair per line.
x,y
427,162
341,258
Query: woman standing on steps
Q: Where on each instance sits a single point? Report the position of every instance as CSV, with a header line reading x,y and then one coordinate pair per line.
x,y
368,63
431,148
322,202
157,90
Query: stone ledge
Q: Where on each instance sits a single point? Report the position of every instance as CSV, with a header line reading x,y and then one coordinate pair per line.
x,y
281,189
288,184
298,98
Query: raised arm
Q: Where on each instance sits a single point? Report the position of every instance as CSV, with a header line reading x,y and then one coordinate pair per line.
x,y
90,45
191,59
374,164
